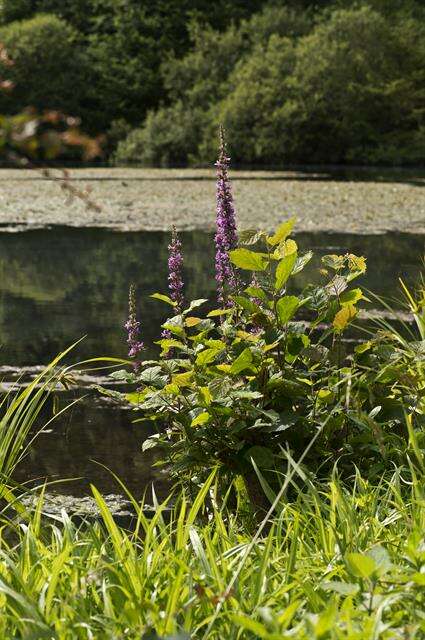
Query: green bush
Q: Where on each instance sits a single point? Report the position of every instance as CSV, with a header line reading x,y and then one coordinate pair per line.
x,y
47,70
166,139
347,88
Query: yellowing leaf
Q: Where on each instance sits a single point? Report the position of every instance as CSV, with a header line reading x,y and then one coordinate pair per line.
x,y
202,418
285,249
206,396
344,317
282,232
191,321
183,379
350,297
356,263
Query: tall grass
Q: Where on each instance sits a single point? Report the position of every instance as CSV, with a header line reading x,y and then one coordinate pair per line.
x,y
336,563
20,408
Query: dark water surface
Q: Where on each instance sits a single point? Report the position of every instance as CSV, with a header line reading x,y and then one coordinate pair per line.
x,y
59,284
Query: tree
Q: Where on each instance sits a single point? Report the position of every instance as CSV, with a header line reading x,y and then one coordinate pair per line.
x,y
47,66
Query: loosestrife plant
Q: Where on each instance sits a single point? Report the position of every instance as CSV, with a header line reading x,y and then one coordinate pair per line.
x,y
241,398
263,379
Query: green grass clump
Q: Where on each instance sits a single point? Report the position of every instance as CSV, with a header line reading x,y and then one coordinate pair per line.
x,y
338,562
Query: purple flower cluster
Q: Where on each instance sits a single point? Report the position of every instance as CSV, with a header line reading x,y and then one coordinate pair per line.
x,y
175,267
135,345
226,236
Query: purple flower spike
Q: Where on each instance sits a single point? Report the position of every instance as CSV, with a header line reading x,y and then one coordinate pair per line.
x,y
226,237
175,268
135,345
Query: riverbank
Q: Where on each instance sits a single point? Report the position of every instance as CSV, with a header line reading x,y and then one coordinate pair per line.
x,y
155,199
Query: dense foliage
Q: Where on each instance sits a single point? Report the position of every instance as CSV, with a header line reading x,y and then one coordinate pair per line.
x,y
302,82
339,564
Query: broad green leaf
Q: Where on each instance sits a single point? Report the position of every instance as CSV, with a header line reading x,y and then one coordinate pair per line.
x,y
284,270
168,343
282,232
206,356
243,361
201,418
359,565
250,260
344,317
164,298
256,292
350,297
286,307
246,304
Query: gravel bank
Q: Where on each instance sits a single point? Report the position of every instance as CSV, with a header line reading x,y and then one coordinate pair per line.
x,y
138,199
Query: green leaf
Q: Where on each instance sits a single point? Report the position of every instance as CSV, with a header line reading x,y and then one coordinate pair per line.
x,y
153,375
206,356
219,312
246,304
351,297
284,270
168,343
282,232
201,418
151,442
164,298
249,260
286,307
359,565
256,292
243,361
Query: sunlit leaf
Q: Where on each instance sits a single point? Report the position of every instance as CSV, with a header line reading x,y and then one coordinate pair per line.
x,y
344,317
249,260
282,232
286,307
284,270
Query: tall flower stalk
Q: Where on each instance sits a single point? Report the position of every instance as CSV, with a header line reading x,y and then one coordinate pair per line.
x,y
226,237
135,344
175,270
175,276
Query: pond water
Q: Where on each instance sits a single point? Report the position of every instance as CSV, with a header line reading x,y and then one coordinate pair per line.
x,y
62,283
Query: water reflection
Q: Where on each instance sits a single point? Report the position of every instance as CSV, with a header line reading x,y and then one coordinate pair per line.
x,y
60,284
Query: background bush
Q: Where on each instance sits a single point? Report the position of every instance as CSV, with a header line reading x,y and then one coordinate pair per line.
x,y
294,82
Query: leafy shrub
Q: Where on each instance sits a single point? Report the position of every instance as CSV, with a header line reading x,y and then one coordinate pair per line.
x,y
346,88
166,138
47,69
